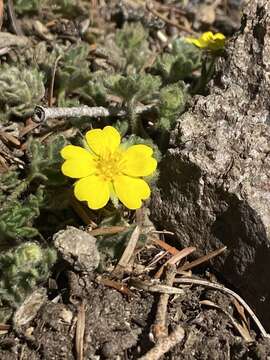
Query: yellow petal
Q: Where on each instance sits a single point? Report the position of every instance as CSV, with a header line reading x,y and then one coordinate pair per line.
x,y
219,36
131,191
207,37
94,190
197,42
74,152
138,161
209,40
103,141
79,162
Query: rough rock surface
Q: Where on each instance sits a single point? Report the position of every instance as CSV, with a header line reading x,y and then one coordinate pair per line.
x,y
214,188
78,248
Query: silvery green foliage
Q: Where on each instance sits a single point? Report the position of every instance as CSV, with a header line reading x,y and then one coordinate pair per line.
x,y
180,63
17,210
171,104
73,71
132,40
46,161
93,92
70,8
27,6
65,7
134,88
21,269
18,206
42,57
21,88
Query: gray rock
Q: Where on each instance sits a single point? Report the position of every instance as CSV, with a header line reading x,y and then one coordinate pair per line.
x,y
214,188
78,248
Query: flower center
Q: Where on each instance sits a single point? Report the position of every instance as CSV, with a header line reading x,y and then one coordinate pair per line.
x,y
109,165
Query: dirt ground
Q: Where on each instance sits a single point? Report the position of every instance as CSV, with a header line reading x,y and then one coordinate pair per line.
x,y
120,326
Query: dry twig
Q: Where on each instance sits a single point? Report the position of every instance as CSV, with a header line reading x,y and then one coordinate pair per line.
x,y
160,329
42,114
165,344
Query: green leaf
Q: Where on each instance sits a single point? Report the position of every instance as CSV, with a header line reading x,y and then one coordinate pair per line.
x,y
134,88
21,89
179,64
132,40
172,103
21,269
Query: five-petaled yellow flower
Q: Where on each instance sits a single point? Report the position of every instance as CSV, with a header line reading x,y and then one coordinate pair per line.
x,y
106,169
208,40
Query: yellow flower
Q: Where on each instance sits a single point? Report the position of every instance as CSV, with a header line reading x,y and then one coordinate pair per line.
x,y
208,40
107,170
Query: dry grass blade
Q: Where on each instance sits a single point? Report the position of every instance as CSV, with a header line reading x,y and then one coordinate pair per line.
x,y
155,287
108,230
202,259
174,259
80,328
50,97
226,291
129,250
241,311
80,210
242,330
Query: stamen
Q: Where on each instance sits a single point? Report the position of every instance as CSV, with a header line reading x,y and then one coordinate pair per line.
x,y
110,165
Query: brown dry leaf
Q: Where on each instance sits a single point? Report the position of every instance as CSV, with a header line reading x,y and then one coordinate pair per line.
x,y
241,311
4,328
